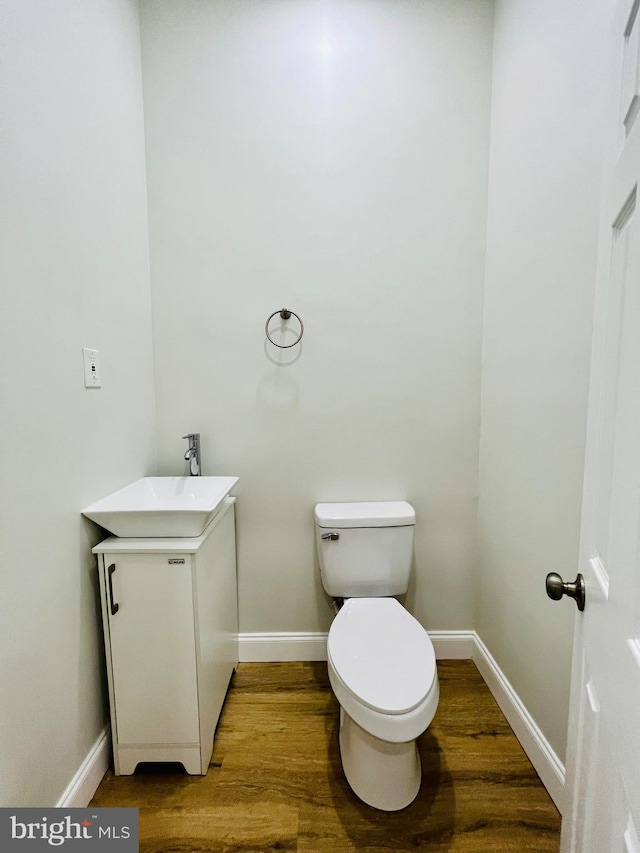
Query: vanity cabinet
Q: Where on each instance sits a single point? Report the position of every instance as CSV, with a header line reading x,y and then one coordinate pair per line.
x,y
170,619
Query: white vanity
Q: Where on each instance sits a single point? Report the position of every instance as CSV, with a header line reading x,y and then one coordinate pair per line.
x,y
170,618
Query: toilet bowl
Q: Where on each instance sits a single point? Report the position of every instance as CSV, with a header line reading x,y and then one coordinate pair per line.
x,y
382,671
381,662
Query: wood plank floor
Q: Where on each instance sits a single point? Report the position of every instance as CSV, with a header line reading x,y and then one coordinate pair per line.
x,y
276,783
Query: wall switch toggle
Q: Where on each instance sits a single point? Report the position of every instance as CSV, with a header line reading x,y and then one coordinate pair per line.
x,y
92,373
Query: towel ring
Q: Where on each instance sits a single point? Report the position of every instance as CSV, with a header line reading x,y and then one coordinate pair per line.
x,y
285,314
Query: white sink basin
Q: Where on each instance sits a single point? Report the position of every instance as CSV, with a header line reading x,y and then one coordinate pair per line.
x,y
162,506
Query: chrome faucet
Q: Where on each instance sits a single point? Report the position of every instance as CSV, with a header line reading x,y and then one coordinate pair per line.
x,y
192,456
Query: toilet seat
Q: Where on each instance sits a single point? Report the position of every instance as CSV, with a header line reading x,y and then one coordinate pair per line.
x,y
381,655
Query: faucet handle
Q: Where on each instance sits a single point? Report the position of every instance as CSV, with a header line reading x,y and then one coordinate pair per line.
x,y
192,435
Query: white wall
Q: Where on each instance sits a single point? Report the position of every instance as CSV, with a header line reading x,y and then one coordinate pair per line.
x,y
330,157
546,150
74,273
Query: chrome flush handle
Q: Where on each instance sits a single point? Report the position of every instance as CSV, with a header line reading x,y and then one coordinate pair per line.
x,y
330,536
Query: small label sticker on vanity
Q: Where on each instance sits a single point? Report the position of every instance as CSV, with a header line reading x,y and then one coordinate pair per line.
x,y
70,829
176,561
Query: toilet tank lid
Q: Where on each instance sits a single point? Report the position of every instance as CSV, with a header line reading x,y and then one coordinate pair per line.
x,y
365,514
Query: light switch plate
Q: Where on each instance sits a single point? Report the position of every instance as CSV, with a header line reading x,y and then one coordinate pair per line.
x,y
92,373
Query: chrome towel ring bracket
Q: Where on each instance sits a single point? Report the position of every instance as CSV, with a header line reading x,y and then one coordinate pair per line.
x,y
285,314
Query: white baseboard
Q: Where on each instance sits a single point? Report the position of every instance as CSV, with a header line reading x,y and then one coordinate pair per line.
x,y
89,775
448,645
538,749
275,647
453,645
272,648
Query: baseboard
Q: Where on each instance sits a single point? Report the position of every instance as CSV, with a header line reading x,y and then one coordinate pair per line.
x,y
453,645
538,749
85,782
276,647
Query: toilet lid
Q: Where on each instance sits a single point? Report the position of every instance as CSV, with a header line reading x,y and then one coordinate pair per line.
x,y
382,655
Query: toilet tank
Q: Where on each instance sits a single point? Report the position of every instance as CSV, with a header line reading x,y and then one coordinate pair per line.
x,y
367,549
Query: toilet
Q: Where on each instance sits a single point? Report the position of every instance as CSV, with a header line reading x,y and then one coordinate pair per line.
x,y
381,662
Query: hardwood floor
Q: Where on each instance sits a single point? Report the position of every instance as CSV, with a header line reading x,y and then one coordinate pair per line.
x,y
276,783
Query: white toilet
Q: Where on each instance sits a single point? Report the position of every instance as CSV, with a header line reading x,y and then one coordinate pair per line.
x,y
381,662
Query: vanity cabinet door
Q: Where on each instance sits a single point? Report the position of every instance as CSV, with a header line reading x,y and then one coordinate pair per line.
x,y
152,648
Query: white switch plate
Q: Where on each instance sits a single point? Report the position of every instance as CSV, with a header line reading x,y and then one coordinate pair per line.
x,y
92,373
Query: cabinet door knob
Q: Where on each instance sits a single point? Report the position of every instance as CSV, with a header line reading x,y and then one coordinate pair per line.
x,y
112,605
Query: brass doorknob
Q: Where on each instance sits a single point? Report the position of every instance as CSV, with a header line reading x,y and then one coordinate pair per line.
x,y
556,588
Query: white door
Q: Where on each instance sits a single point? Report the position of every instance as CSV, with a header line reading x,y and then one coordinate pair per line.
x,y
603,762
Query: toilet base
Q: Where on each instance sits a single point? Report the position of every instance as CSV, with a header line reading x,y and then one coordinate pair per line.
x,y
383,775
